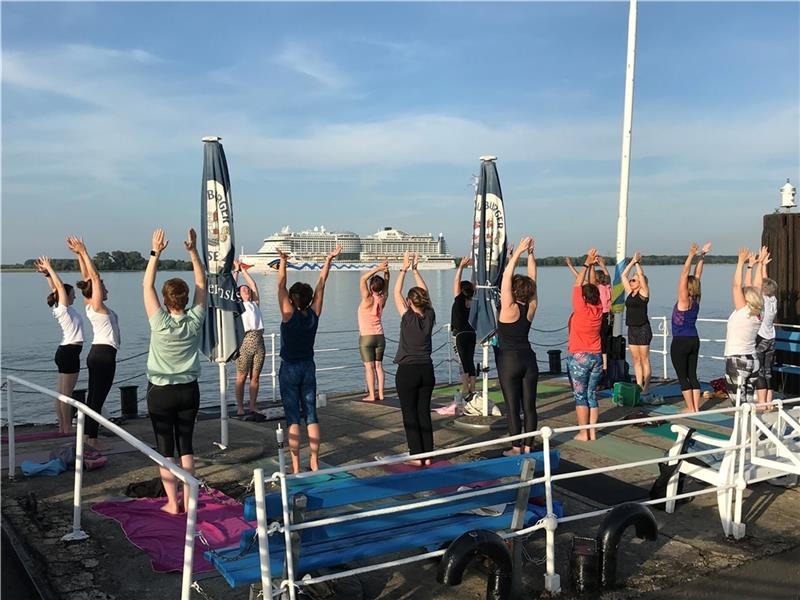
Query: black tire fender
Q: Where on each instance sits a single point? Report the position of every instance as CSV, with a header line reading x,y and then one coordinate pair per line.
x,y
610,533
473,544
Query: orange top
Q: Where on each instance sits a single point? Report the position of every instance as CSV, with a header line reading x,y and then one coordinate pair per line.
x,y
369,316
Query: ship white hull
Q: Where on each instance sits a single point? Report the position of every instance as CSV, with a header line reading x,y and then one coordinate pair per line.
x,y
262,264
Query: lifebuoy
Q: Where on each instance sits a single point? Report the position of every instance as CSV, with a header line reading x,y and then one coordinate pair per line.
x,y
478,543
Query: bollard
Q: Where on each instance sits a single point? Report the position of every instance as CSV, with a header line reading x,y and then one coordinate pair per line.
x,y
554,356
129,403
80,396
583,565
322,399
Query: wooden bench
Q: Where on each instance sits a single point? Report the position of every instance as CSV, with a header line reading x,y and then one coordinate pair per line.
x,y
787,341
429,527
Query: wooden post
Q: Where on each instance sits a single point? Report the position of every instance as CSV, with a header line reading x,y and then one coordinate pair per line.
x,y
782,236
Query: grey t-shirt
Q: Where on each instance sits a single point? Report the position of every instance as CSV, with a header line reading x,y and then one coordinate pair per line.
x,y
415,338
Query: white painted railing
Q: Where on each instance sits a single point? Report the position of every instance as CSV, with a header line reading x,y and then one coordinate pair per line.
x,y
736,480
77,533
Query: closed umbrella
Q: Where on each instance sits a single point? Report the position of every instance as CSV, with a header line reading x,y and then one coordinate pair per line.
x,y
223,331
489,259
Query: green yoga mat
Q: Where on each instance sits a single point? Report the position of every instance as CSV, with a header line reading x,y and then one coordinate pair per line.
x,y
664,431
495,395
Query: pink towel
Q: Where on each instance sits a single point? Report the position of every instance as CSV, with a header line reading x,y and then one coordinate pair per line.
x,y
161,536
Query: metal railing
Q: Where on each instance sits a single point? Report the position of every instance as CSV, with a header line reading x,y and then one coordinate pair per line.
x,y
733,479
77,533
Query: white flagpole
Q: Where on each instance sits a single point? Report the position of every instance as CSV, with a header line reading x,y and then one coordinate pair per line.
x,y
627,127
223,384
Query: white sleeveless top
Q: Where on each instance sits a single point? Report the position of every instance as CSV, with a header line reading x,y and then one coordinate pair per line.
x,y
251,317
740,336
71,324
105,327
767,330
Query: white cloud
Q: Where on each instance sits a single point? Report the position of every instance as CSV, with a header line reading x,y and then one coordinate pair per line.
x,y
312,64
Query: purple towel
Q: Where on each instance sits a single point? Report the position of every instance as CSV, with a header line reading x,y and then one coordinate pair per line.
x,y
161,536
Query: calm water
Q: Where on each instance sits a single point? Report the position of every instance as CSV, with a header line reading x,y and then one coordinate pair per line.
x,y
30,335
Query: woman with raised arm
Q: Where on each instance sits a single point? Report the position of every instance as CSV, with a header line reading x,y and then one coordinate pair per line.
x,y
415,379
463,332
685,347
251,351
173,362
741,332
639,332
765,340
371,341
604,287
300,308
585,360
68,355
517,370
102,359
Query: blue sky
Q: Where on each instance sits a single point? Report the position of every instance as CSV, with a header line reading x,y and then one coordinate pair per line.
x,y
361,115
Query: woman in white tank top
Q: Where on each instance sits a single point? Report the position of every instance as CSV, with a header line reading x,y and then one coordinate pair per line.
x,y
102,359
68,355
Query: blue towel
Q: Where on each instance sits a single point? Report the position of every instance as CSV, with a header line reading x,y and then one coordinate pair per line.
x,y
51,468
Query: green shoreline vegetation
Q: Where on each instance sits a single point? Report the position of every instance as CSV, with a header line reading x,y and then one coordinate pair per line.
x,y
120,260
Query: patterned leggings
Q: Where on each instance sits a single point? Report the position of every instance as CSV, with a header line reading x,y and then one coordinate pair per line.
x,y
251,353
585,369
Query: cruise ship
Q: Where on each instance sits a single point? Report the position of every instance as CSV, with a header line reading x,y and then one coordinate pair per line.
x,y
307,250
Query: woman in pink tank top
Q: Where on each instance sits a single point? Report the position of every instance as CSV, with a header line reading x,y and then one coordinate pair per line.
x,y
371,341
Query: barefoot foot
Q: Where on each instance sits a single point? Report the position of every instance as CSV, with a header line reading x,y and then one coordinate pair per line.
x,y
171,509
581,436
513,451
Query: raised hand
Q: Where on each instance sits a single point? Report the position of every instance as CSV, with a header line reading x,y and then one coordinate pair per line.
x,y
42,264
75,244
335,252
706,247
524,244
191,240
384,266
568,260
637,257
406,260
531,246
237,264
601,260
693,249
284,257
159,241
766,257
465,262
743,254
415,261
591,256
752,259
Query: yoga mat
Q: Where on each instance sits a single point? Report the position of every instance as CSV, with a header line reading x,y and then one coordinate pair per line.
x,y
404,468
617,449
161,535
666,390
115,446
35,436
664,431
601,488
667,409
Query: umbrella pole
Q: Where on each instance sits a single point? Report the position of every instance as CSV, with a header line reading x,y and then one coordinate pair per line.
x,y
223,407
485,394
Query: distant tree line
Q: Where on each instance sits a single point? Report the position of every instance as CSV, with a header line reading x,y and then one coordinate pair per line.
x,y
118,260
650,259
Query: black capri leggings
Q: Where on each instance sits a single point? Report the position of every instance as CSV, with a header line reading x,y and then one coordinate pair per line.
x,y
465,346
414,385
518,374
102,365
173,409
684,352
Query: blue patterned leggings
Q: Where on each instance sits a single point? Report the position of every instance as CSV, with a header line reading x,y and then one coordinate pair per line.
x,y
585,369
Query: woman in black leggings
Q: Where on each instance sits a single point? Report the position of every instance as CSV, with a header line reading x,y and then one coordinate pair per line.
x,y
460,327
415,379
685,347
516,361
173,364
102,359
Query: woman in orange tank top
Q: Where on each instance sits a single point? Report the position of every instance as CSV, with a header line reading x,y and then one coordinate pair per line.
x,y
371,341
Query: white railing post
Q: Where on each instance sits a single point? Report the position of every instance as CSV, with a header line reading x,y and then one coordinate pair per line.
x,y
738,528
449,354
272,357
485,374
188,543
263,535
552,581
12,449
77,533
287,533
223,407
664,346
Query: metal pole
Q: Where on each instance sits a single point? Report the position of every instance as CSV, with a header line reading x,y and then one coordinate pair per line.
x,y
188,543
77,533
223,407
552,582
485,407
627,127
287,533
263,536
272,374
664,345
449,354
12,449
